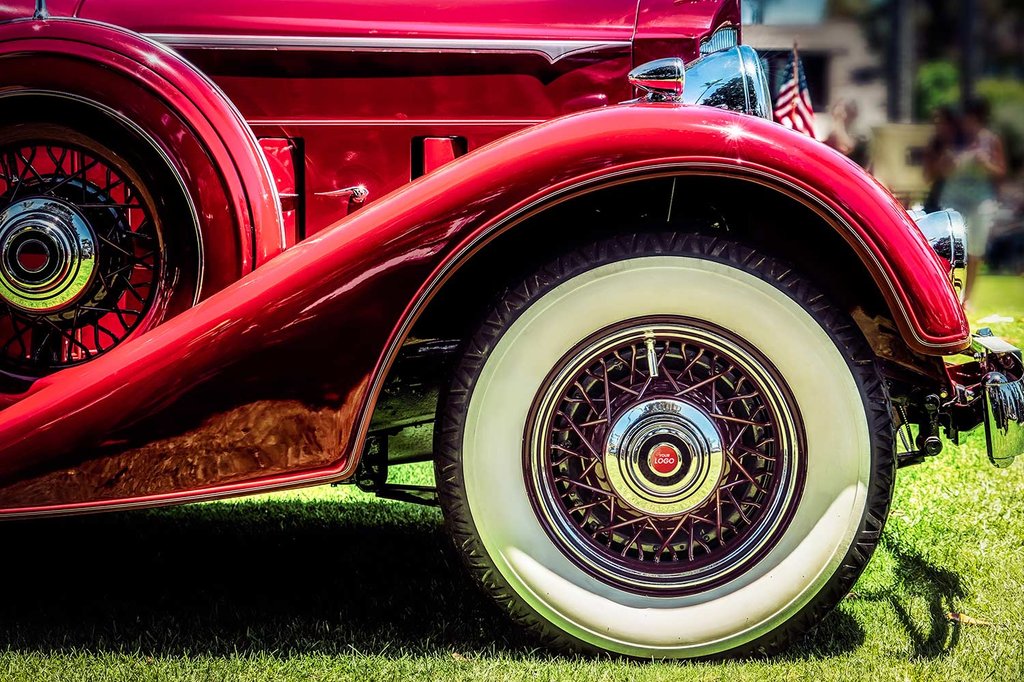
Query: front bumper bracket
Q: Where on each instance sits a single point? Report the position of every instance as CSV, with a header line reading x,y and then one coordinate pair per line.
x,y
1004,416
997,374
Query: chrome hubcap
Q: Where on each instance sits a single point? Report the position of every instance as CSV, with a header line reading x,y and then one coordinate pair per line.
x,y
47,254
664,457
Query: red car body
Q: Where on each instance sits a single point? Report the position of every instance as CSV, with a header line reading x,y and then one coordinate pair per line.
x,y
340,92
658,350
476,74
339,95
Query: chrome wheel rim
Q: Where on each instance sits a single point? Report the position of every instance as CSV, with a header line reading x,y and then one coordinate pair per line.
x,y
47,254
82,258
664,456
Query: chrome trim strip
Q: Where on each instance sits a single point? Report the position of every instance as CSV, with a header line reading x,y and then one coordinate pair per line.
x,y
553,50
393,122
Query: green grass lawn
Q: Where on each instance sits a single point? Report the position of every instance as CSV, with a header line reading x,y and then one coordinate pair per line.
x,y
330,584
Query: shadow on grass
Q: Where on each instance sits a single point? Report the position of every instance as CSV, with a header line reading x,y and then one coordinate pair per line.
x,y
286,577
917,580
269,576
916,583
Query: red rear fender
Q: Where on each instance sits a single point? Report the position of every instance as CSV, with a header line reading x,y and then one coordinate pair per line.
x,y
199,130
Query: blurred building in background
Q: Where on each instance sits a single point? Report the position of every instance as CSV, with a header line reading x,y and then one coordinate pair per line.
x,y
838,59
899,61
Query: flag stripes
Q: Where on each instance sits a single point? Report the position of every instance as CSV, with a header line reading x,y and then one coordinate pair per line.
x,y
793,105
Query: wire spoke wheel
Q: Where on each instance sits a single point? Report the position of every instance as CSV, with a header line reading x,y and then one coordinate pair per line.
x,y
83,253
663,455
666,446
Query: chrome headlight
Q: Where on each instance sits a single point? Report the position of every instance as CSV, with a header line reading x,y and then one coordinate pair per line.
x,y
729,79
946,232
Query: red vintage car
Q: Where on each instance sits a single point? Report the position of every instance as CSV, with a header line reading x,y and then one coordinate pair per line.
x,y
665,354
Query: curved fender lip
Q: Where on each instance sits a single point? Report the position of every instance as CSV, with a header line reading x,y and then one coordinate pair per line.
x,y
365,280
714,141
202,104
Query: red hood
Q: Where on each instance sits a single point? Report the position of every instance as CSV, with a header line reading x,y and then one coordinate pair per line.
x,y
506,19
650,20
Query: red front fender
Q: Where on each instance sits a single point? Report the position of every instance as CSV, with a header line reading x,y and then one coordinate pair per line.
x,y
321,323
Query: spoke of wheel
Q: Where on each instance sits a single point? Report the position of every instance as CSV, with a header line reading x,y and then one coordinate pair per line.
x,y
112,206
607,397
621,524
672,535
13,176
653,526
754,453
664,371
687,371
115,246
70,338
58,163
19,334
43,346
701,384
590,404
30,164
737,420
573,453
747,396
588,505
578,484
586,441
743,471
695,539
83,168
131,288
115,310
737,505
639,550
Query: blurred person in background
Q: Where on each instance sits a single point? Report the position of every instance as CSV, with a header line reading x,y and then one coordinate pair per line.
x,y
843,138
939,155
979,163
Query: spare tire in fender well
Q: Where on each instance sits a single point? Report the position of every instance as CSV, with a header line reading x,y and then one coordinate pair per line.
x,y
205,138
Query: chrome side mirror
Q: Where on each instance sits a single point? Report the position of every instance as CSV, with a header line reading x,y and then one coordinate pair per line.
x,y
730,79
662,79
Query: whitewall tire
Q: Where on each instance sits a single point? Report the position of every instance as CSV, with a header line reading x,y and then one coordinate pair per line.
x,y
666,446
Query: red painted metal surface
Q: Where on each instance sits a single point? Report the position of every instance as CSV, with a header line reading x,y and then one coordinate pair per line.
x,y
347,297
284,158
667,28
355,113
605,19
437,151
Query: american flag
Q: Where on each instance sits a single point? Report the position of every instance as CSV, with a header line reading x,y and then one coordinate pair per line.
x,y
793,106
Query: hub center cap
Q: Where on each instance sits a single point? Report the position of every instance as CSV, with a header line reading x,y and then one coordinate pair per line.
x,y
47,254
664,457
